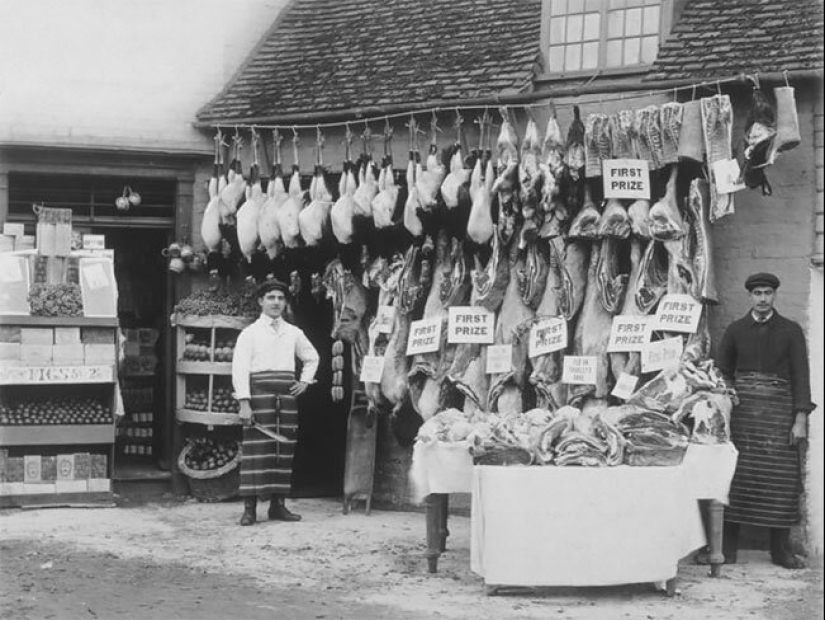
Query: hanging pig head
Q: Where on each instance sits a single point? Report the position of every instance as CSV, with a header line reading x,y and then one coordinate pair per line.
x,y
349,302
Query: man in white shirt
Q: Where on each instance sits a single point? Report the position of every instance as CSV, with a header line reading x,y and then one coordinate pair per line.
x,y
263,375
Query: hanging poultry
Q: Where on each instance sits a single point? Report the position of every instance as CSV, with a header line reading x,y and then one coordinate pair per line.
x,y
480,226
313,220
383,205
292,206
428,180
236,185
412,222
552,170
506,185
268,224
458,175
344,208
530,176
210,224
249,212
367,185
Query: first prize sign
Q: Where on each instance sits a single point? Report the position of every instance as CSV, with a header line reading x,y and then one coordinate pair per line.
x,y
678,313
547,335
425,336
626,179
470,324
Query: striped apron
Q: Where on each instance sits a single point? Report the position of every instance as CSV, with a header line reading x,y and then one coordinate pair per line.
x,y
766,486
266,465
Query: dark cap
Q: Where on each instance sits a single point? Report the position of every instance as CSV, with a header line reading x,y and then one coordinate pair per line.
x,y
271,284
762,279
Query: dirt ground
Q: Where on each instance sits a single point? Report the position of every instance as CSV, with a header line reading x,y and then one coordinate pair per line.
x,y
191,561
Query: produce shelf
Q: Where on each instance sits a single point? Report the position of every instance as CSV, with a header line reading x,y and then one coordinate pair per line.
x,y
188,367
219,321
57,434
57,375
58,321
204,417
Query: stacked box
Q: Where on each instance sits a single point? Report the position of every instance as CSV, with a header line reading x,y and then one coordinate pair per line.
x,y
67,335
66,482
67,354
33,468
99,354
37,335
65,466
15,469
82,465
48,468
97,335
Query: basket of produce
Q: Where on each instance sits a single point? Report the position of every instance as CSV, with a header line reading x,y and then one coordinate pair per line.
x,y
212,468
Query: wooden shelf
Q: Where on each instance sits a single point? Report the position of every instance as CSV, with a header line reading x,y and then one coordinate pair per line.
x,y
58,499
57,375
57,434
211,321
210,419
58,321
188,367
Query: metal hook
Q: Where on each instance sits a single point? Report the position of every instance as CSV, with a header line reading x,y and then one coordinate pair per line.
x,y
718,88
785,75
693,93
294,135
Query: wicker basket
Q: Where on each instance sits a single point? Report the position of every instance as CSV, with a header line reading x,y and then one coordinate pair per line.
x,y
212,485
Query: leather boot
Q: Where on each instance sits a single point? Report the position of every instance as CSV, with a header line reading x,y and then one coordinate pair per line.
x,y
278,510
730,541
250,505
781,553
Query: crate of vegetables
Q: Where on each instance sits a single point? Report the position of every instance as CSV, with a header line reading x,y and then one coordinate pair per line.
x,y
212,468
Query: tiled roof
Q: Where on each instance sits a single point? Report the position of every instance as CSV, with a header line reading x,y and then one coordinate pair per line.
x,y
337,55
719,38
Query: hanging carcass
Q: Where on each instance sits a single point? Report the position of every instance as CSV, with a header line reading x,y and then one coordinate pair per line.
x,y
313,220
269,227
250,211
292,206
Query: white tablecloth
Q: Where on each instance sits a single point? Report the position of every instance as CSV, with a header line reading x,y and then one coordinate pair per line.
x,y
440,467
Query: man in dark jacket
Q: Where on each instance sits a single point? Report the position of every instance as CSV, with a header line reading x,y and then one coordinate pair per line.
x,y
764,356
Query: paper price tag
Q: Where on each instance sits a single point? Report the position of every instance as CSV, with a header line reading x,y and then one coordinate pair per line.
x,y
579,369
425,336
384,319
94,242
626,178
678,313
499,359
547,335
629,333
470,324
372,367
625,385
662,354
726,175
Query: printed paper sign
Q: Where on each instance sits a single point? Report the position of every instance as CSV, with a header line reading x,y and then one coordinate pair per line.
x,y
726,175
625,385
579,369
626,178
98,287
470,324
547,335
384,319
95,277
94,242
15,230
372,367
678,313
662,354
629,333
499,358
425,336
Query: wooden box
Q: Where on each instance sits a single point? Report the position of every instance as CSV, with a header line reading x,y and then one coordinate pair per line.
x,y
65,467
67,335
99,353
36,354
37,335
32,468
82,465
67,354
10,352
97,335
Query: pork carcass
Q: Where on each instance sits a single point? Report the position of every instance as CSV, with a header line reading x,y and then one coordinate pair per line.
x,y
630,362
717,128
343,209
621,129
480,226
290,211
531,268
383,205
653,276
249,213
638,212
670,118
665,221
586,223
651,133
313,220
612,283
614,221
268,224
701,243
597,143
574,256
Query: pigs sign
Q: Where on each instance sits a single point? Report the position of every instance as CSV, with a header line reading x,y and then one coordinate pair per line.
x,y
626,179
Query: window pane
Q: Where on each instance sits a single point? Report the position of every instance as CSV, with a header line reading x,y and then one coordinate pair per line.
x,y
633,24
614,53
557,25
650,46
572,57
651,20
631,51
574,28
555,58
615,24
575,6
591,27
590,55
617,4
593,5
558,7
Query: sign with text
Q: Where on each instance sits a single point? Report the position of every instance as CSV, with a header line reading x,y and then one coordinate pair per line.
x,y
14,375
678,313
384,319
499,358
98,287
470,324
579,369
629,333
662,354
94,242
625,385
425,336
372,367
726,174
547,335
15,230
626,178
14,284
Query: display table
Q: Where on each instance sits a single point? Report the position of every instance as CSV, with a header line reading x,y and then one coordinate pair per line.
x,y
705,473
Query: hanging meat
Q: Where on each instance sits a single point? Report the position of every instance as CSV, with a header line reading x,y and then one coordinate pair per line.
x,y
691,138
250,211
210,224
235,189
612,281
664,219
530,174
269,227
412,222
597,143
621,129
480,226
313,220
383,205
670,119
367,185
552,166
614,221
343,210
787,121
638,212
292,206
630,362
653,276
428,180
760,132
506,185
586,223
457,175
701,248
717,128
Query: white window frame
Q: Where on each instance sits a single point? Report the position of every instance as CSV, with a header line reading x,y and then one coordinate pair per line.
x,y
665,24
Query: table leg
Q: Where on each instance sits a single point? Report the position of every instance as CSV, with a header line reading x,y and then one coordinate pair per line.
x,y
670,587
435,520
716,557
445,515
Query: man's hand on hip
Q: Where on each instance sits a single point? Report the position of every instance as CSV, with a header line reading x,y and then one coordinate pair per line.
x,y
799,430
298,388
245,413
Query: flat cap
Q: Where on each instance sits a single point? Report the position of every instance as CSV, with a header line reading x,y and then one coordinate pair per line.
x,y
761,279
271,284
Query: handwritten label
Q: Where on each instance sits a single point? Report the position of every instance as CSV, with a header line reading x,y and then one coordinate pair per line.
x,y
372,367
94,242
625,385
12,375
499,358
579,369
425,336
678,313
384,319
626,178
470,324
662,354
547,335
726,176
629,333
